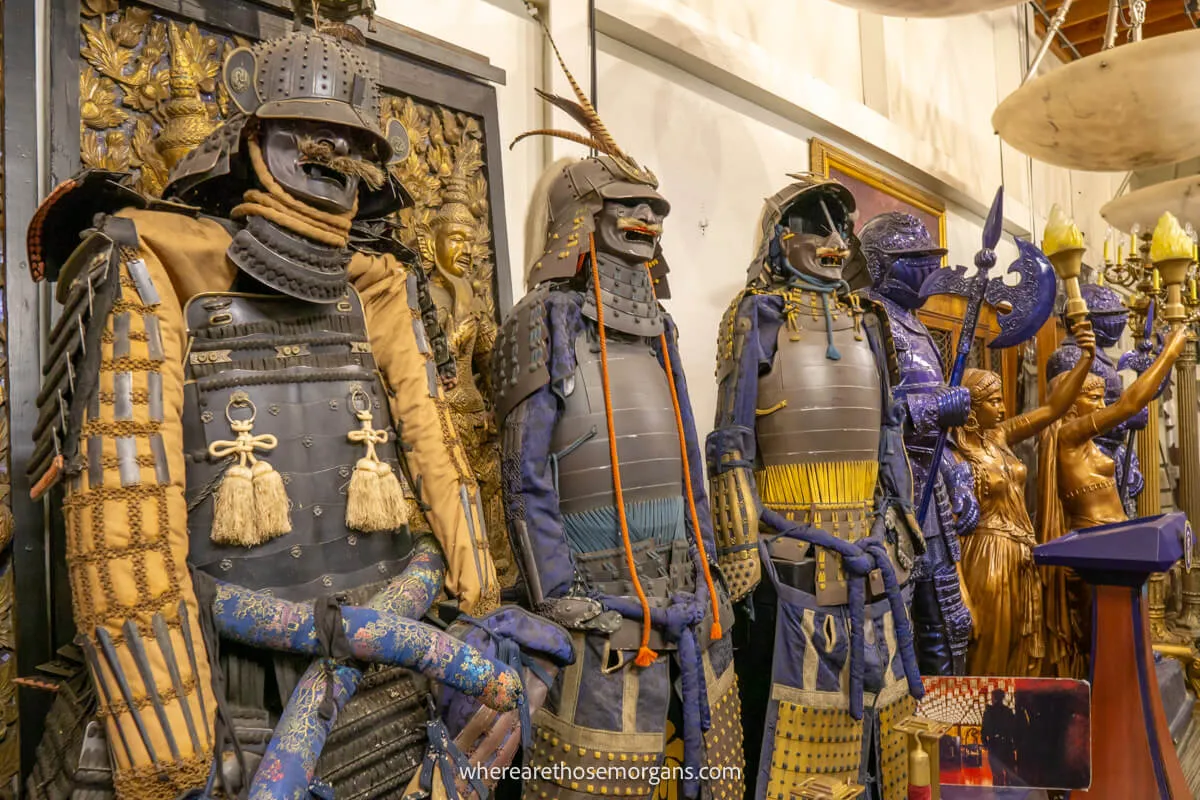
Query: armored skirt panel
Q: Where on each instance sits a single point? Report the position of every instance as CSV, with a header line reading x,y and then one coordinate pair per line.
x,y
300,372
809,730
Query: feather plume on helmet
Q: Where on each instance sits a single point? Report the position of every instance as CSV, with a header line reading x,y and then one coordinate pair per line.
x,y
561,216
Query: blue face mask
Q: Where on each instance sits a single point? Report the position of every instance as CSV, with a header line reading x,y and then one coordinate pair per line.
x,y
902,283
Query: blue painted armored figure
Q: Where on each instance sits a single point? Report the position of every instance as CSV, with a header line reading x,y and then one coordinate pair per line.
x,y
604,493
809,445
900,255
243,410
1109,317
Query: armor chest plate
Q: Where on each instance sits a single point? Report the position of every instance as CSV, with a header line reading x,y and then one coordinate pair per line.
x,y
303,366
644,421
816,410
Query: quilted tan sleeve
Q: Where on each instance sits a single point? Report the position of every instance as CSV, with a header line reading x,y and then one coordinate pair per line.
x,y
127,542
436,459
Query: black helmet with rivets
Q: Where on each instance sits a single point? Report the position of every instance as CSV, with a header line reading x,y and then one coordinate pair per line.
x,y
304,76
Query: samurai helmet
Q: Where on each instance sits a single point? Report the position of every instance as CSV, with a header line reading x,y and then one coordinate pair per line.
x,y
809,196
307,77
573,193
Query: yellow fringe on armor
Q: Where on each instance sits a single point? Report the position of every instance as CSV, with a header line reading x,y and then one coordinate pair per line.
x,y
842,483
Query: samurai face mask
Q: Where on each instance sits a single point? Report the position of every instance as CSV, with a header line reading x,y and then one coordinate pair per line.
x,y
321,163
812,238
629,229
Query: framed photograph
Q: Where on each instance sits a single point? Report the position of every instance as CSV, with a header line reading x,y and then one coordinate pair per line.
x,y
875,191
1028,733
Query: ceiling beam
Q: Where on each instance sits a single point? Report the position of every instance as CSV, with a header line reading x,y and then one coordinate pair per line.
x,y
1083,10
1095,28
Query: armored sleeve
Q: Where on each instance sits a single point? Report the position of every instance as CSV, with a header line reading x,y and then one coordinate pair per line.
x,y
111,423
435,456
731,447
533,358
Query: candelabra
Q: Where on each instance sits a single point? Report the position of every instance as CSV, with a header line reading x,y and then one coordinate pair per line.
x,y
1138,276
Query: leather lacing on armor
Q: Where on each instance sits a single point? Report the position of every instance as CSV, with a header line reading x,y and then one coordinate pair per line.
x,y
292,328
646,656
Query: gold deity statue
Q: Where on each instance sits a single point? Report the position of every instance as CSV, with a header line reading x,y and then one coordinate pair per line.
x,y
997,557
448,248
1078,489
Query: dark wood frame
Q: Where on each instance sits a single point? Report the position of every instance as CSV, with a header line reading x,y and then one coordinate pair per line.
x,y
407,62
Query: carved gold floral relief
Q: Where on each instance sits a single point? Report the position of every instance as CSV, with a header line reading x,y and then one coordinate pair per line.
x,y
135,65
449,226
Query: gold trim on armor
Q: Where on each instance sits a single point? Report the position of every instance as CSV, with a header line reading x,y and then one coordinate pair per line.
x,y
572,676
594,739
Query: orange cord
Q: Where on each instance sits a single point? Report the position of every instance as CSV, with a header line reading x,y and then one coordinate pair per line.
x,y
715,632
645,656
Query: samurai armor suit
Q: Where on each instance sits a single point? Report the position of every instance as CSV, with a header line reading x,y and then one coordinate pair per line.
x,y
606,722
807,445
169,350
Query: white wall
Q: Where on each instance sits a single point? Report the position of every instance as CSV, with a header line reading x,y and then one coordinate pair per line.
x,y
504,33
720,98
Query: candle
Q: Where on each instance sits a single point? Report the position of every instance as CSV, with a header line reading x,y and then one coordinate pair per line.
x,y
1155,281
1106,252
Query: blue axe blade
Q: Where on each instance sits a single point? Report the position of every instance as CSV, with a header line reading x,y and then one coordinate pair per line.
x,y
1030,301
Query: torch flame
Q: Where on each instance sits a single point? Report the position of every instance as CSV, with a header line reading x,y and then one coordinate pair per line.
x,y
1170,240
1061,233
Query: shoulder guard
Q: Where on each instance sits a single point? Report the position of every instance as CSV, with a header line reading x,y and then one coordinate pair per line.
x,y
70,209
520,360
730,336
88,286
875,315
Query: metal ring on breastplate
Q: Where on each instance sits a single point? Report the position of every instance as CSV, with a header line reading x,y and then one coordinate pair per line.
x,y
360,403
240,400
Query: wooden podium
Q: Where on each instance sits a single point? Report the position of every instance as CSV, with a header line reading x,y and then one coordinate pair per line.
x,y
1132,752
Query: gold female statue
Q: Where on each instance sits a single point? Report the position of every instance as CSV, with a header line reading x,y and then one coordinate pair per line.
x,y
997,557
1078,489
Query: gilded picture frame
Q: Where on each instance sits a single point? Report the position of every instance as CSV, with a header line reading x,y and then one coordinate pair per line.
x,y
876,191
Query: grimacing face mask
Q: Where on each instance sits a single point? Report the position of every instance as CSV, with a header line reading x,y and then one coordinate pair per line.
x,y
317,162
629,229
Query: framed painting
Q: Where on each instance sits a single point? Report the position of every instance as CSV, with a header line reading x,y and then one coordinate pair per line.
x,y
876,191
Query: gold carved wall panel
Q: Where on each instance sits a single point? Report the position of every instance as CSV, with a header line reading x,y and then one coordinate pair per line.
x,y
131,57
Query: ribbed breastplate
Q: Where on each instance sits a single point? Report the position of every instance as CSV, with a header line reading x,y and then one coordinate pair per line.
x,y
647,440
301,365
651,475
818,424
